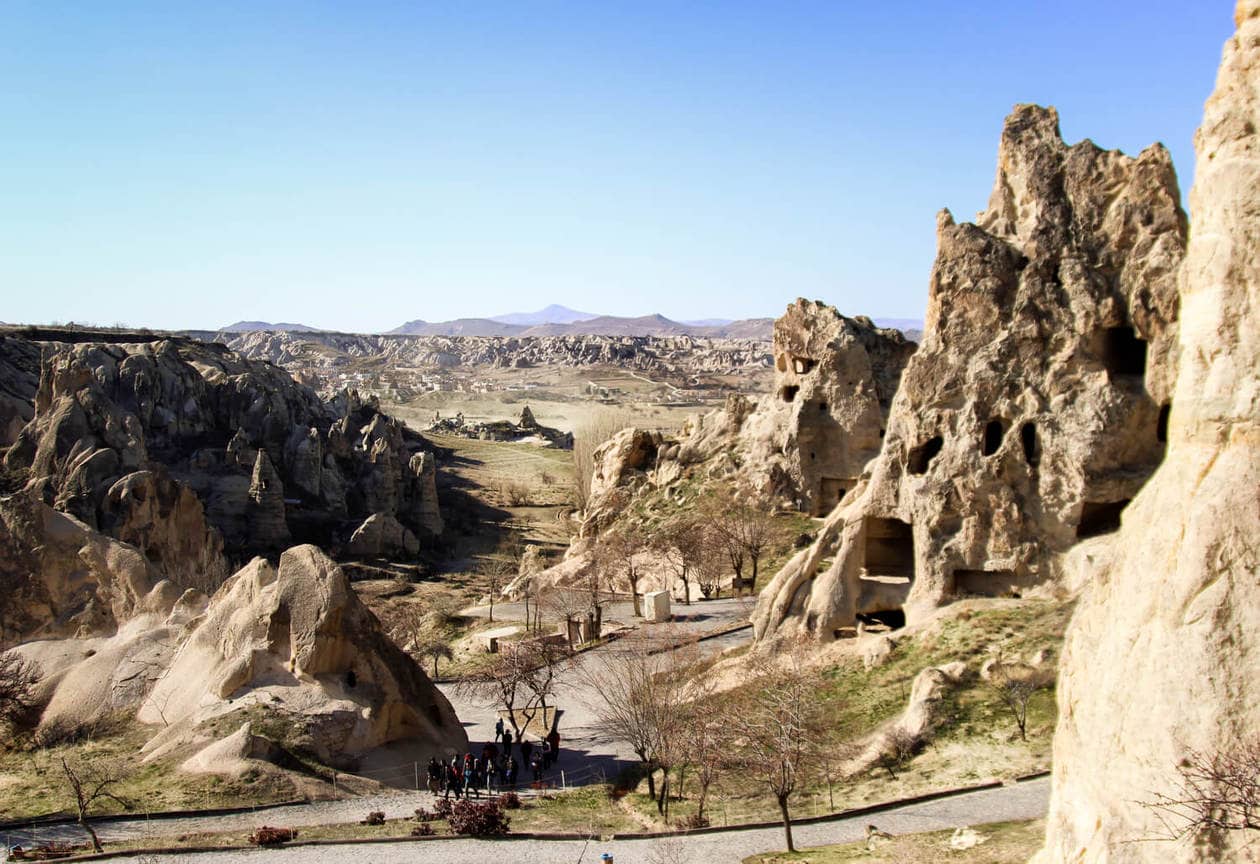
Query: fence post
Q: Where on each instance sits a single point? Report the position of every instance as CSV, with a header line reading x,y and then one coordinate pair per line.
x,y
563,784
416,766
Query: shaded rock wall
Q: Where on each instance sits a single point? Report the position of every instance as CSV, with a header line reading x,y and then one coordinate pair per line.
x,y
1163,655
266,457
1034,408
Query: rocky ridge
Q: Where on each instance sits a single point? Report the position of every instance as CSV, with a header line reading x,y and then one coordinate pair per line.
x,y
120,435
1035,407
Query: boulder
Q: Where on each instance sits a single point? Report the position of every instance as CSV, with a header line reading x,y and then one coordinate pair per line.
x,y
383,535
1160,659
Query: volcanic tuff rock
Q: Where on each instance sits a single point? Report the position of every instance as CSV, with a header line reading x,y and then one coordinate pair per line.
x,y
800,447
292,640
1161,658
60,578
265,456
19,380
297,639
655,354
1035,407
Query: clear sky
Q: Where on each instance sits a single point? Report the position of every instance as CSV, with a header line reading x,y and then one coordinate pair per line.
x,y
354,165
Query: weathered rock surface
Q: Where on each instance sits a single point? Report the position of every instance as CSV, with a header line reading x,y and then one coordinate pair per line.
x,y
296,639
59,578
1163,655
19,381
382,534
266,457
1036,406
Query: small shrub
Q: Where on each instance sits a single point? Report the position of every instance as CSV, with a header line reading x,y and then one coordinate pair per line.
x,y
376,817
696,820
515,493
423,815
479,818
510,801
424,829
442,808
267,836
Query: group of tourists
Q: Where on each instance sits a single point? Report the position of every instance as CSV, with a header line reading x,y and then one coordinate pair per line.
x,y
496,769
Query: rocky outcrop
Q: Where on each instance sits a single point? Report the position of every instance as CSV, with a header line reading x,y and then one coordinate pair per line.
x,y
59,578
1161,657
166,521
296,639
265,456
19,381
1037,404
383,535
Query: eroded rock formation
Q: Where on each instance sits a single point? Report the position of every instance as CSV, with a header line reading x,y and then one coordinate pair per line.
x,y
1162,658
266,458
1036,405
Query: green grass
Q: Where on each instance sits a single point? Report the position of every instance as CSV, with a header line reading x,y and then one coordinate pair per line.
x,y
1003,843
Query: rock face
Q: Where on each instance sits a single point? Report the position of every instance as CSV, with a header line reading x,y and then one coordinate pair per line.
x,y
59,578
1036,406
19,380
834,383
297,639
266,457
382,534
1161,656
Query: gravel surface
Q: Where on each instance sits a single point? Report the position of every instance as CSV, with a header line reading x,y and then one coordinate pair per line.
x,y
1022,801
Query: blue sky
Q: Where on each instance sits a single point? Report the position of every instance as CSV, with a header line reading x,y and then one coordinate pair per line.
x,y
357,165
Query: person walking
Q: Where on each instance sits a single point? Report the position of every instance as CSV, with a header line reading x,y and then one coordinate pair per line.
x,y
470,778
434,773
498,731
507,741
511,773
536,766
553,738
527,748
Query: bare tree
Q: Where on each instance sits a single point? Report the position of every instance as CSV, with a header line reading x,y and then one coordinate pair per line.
x,y
498,572
705,737
519,682
680,544
617,550
435,650
1014,685
779,728
899,747
743,528
92,783
18,677
1215,792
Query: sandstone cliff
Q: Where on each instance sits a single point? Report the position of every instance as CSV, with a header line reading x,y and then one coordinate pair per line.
x,y
1163,656
121,432
1036,405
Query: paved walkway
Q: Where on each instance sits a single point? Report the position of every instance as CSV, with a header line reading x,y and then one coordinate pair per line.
x,y
1023,801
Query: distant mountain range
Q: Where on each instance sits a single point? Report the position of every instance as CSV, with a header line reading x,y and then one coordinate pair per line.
x,y
558,320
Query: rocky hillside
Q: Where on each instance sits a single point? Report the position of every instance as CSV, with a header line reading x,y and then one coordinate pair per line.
x,y
1036,406
1160,666
182,448
671,355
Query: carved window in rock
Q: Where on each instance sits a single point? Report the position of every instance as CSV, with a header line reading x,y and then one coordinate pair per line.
x,y
921,457
1100,517
803,365
1029,444
994,431
1123,353
889,549
788,393
984,583
831,491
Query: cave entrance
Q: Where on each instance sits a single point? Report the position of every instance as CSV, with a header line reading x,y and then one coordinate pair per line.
x,y
1161,425
889,547
994,431
279,636
921,457
885,619
789,392
1028,442
831,491
803,365
984,583
1100,517
1124,354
